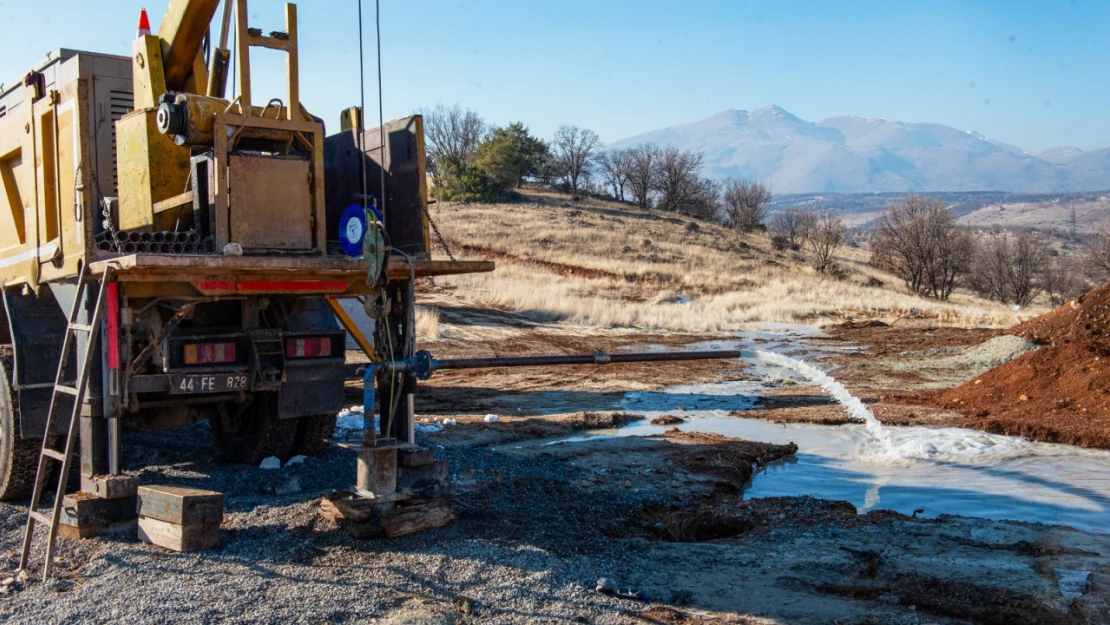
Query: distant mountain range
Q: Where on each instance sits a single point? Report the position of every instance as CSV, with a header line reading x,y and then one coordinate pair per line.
x,y
852,154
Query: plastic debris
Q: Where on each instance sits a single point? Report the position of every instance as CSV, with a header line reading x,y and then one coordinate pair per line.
x,y
491,418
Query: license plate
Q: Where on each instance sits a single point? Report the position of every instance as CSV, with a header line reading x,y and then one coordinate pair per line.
x,y
185,383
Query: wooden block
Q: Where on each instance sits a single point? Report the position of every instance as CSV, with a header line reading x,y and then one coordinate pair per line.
x,y
415,457
90,531
179,537
412,519
345,506
180,505
110,486
83,509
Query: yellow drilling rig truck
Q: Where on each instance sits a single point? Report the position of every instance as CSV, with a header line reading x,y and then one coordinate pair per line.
x,y
170,254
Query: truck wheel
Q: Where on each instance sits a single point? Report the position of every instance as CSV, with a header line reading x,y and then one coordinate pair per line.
x,y
314,434
252,431
18,455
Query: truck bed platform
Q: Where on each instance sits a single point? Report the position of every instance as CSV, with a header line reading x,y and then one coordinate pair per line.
x,y
241,275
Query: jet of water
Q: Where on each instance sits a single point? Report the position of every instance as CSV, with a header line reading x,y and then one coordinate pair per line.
x,y
851,403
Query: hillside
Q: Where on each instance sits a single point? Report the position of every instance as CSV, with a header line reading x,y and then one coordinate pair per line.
x,y
851,154
607,264
981,209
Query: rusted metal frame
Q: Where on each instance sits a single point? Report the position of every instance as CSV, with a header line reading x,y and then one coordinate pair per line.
x,y
243,54
158,268
168,328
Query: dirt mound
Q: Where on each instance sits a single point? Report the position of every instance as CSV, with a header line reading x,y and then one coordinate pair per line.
x,y
1058,394
997,351
1082,319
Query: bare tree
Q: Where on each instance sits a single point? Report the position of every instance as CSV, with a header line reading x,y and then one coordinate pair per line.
x,y
453,132
918,240
792,225
1010,268
616,166
1062,281
681,187
573,148
1098,257
746,203
824,237
641,172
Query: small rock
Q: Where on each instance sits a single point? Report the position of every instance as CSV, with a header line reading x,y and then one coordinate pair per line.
x,y
491,418
889,599
270,463
606,586
628,483
233,249
21,577
296,460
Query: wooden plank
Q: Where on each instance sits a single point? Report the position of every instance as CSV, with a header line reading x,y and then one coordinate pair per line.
x,y
179,505
179,538
110,486
92,531
83,509
403,521
177,201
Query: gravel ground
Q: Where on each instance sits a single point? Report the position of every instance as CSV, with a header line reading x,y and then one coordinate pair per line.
x,y
997,351
538,526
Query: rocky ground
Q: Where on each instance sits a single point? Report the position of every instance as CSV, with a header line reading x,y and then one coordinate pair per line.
x,y
661,519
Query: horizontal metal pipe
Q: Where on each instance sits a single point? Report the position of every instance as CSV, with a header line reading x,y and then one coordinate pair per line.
x,y
600,358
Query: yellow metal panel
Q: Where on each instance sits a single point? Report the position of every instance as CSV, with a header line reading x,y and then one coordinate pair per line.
x,y
13,227
146,68
182,30
152,168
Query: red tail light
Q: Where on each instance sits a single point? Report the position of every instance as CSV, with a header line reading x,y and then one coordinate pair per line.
x,y
208,353
318,347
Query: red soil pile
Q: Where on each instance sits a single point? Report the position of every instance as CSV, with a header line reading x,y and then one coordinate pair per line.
x,y
1057,394
1079,320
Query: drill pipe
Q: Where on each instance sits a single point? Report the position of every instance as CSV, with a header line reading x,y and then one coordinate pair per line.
x,y
423,364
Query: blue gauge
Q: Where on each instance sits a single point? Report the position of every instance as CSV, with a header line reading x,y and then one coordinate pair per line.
x,y
352,229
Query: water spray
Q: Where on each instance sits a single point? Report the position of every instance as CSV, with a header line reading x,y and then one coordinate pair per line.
x,y
423,365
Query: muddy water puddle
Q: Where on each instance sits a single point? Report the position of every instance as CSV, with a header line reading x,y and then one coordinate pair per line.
x,y
931,471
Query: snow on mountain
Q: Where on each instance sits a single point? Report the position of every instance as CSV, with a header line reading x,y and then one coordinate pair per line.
x,y
852,154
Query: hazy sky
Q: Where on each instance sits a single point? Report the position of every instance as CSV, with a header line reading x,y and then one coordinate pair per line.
x,y
1029,73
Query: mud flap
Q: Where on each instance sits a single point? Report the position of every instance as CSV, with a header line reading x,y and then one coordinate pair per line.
x,y
38,328
311,389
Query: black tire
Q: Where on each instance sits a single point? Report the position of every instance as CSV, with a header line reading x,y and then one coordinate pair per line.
x,y
314,434
249,433
18,455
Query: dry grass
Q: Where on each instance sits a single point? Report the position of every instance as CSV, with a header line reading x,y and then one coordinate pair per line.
x,y
427,323
605,264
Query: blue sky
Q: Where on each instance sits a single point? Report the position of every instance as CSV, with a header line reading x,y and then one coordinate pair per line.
x,y
1028,73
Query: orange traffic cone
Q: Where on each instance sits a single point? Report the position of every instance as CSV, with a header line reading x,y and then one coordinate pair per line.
x,y
144,24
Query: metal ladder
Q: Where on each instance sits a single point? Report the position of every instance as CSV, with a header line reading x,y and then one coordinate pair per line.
x,y
77,391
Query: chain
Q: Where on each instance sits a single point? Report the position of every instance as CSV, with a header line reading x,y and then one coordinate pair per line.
x,y
439,236
106,211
